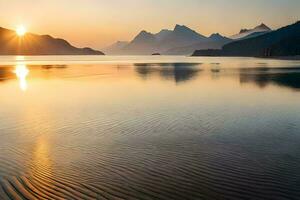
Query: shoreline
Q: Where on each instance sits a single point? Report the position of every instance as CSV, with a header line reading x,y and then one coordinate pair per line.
x,y
287,57
276,57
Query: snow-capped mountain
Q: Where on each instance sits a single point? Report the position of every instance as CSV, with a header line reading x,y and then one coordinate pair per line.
x,y
246,32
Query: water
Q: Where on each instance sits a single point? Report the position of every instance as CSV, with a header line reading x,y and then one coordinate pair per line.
x,y
149,128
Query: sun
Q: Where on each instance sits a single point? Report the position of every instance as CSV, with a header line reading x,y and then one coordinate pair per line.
x,y
21,30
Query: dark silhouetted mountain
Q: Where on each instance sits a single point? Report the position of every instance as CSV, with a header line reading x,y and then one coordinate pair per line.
x,y
282,42
32,44
208,52
264,44
245,32
286,47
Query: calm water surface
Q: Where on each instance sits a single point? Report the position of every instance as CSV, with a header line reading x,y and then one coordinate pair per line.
x,y
90,127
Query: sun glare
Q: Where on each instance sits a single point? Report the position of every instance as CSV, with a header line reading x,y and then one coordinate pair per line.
x,y
21,30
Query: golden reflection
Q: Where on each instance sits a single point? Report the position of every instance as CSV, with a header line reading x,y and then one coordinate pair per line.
x,y
41,152
22,72
20,58
41,164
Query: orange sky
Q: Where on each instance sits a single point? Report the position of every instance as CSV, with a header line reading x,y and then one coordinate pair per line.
x,y
98,23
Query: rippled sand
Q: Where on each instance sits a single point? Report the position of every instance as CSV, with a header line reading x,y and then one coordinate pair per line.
x,y
192,129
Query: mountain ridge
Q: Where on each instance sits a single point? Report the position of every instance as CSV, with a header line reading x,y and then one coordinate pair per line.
x,y
167,40
34,44
182,40
245,32
258,46
284,41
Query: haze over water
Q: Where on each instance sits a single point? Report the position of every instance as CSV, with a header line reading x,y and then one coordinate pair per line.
x,y
89,127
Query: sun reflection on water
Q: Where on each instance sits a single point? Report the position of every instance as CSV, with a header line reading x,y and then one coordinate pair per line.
x,y
22,72
41,161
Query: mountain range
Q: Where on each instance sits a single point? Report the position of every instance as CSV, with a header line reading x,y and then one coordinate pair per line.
x,y
33,44
180,41
282,42
259,41
148,43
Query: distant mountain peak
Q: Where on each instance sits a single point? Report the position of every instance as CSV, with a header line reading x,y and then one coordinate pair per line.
x,y
116,47
185,31
143,32
281,42
245,32
182,28
263,26
215,35
177,26
143,35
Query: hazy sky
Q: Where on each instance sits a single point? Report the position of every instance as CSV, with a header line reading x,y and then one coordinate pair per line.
x,y
97,23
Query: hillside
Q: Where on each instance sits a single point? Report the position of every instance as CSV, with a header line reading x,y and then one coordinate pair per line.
x,y
33,44
282,42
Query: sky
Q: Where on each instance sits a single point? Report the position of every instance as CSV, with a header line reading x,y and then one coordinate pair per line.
x,y
99,23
